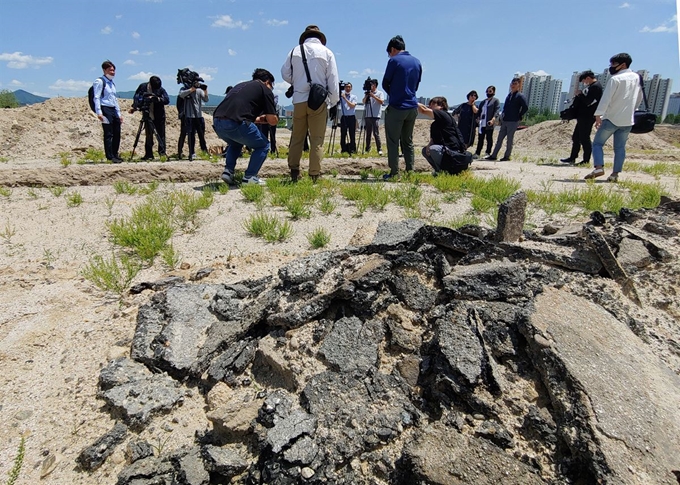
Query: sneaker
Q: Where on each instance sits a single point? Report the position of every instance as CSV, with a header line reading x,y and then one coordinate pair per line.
x,y
228,177
253,180
490,157
598,172
567,160
180,156
380,153
475,156
614,177
192,157
390,176
116,160
504,159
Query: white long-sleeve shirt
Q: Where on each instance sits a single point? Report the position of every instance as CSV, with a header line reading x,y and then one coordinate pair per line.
x,y
620,99
322,70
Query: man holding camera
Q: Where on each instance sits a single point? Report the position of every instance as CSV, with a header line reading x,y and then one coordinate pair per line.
x,y
151,98
586,102
322,70
400,82
234,121
373,101
194,96
348,103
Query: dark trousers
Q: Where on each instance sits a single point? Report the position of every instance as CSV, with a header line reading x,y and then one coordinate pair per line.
x,y
269,133
148,132
348,124
487,135
581,138
111,132
196,126
182,136
372,128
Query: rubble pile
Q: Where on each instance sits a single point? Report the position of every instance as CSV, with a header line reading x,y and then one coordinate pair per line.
x,y
431,355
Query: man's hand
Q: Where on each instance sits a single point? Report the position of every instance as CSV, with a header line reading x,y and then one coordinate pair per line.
x,y
598,121
131,110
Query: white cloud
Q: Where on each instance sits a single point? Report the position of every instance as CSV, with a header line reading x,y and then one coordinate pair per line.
x,y
670,25
231,52
229,23
130,62
137,53
206,77
141,76
14,82
276,23
17,60
624,5
208,70
541,72
71,85
135,35
119,16
106,30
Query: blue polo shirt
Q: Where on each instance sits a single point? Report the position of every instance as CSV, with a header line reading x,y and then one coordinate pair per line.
x,y
401,80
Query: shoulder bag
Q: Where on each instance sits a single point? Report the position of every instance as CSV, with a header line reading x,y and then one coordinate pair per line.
x,y
643,120
317,92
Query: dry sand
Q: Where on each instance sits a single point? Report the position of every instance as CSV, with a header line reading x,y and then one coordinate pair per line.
x,y
57,330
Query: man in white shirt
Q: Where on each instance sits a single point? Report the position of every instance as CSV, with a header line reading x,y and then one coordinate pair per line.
x,y
322,70
614,114
348,123
373,101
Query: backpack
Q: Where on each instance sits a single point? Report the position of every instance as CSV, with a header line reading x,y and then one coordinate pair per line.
x,y
90,94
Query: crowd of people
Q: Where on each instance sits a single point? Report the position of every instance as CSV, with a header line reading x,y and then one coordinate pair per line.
x,y
248,115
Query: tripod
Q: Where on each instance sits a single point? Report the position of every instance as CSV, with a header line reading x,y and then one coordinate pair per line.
x,y
334,129
147,123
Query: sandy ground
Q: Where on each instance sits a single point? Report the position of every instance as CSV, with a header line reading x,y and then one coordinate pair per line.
x,y
57,330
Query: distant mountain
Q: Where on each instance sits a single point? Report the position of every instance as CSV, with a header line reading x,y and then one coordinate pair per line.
x,y
24,98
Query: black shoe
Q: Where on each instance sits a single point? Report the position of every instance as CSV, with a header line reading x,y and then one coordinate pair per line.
x,y
391,176
116,160
567,160
504,159
147,157
490,157
294,174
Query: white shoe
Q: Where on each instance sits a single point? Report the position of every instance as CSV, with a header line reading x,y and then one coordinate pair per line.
x,y
380,153
253,180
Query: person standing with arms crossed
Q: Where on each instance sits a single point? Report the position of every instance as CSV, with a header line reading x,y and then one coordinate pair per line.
x,y
513,110
108,111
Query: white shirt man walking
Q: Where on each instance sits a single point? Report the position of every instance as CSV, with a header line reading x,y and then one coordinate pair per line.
x,y
614,114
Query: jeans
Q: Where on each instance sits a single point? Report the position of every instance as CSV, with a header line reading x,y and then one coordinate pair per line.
x,y
111,132
399,125
237,135
435,156
604,132
508,128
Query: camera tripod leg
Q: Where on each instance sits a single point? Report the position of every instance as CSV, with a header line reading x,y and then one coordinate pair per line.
x,y
134,146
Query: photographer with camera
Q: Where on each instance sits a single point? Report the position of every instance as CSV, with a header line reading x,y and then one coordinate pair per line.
x,y
320,62
151,98
373,101
348,122
235,118
194,94
400,82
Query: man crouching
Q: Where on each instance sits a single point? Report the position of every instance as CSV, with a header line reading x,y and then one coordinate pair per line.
x,y
234,121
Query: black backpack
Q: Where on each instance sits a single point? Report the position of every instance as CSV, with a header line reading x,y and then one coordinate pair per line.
x,y
90,94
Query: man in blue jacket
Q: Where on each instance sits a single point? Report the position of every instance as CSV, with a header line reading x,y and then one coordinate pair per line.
x,y
513,110
400,82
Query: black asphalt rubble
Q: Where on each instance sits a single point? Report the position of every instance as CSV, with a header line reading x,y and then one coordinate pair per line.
x,y
431,355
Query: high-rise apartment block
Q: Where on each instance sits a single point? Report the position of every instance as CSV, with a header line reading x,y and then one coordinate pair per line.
x,y
674,104
542,91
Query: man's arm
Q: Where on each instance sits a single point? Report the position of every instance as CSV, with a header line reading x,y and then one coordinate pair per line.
x,y
387,77
523,106
183,93
287,68
97,89
424,110
204,94
333,80
163,96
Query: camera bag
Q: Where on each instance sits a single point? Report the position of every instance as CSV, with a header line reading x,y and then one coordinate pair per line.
x,y
90,94
643,120
317,92
455,162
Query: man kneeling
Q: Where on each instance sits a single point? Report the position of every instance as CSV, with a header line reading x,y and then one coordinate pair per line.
x,y
234,121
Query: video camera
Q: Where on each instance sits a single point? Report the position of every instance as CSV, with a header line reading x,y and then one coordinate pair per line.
x,y
368,84
342,86
190,79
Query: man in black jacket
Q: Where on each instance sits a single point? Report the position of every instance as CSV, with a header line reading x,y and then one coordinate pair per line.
x,y
151,98
586,102
514,108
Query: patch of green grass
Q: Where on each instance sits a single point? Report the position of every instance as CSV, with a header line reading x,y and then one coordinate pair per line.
x,y
407,197
253,193
326,204
298,209
4,159
114,274
170,256
462,220
364,173
32,193
5,191
57,190
643,195
319,238
187,207
93,155
124,187
64,159
150,188
268,227
8,232
74,199
13,475
364,195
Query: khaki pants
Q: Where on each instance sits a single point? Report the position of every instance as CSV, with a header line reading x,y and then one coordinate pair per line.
x,y
304,120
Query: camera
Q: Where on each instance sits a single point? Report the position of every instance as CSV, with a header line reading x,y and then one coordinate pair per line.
x,y
342,86
190,79
289,91
368,84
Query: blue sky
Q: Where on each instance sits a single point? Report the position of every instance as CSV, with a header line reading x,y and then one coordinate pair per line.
x,y
55,48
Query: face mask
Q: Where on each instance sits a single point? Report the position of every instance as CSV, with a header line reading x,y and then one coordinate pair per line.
x,y
109,77
613,70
